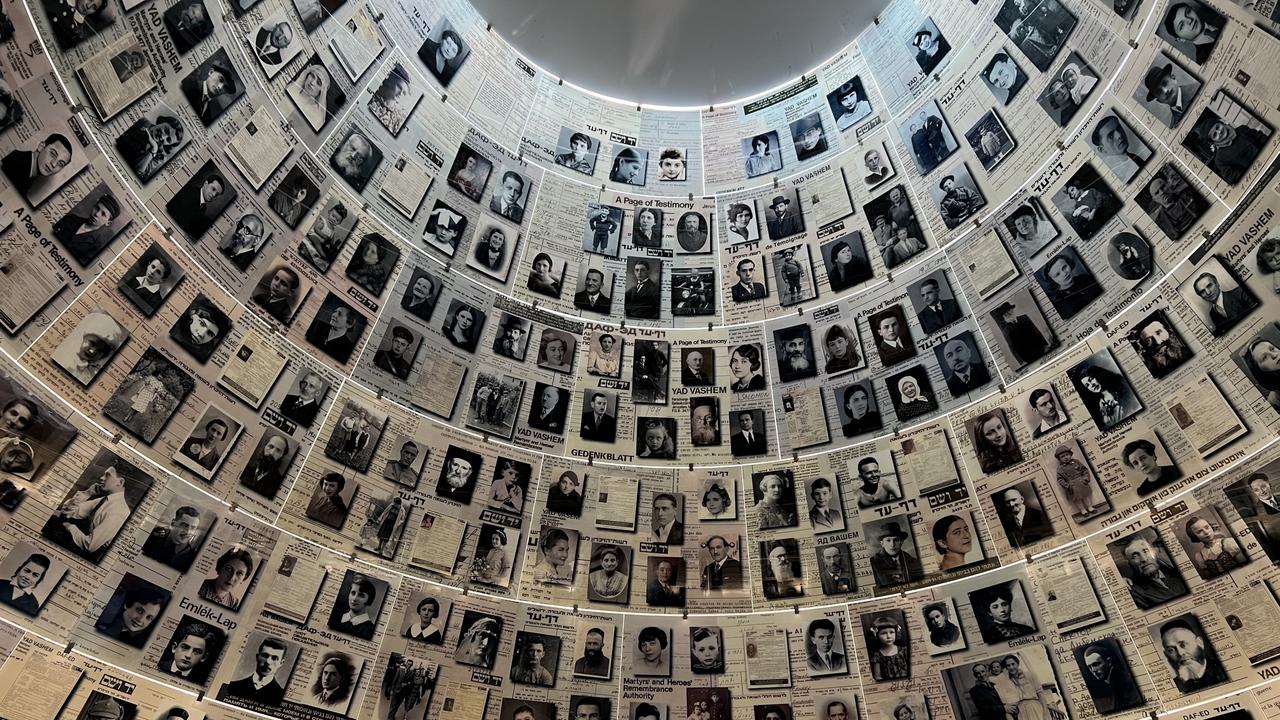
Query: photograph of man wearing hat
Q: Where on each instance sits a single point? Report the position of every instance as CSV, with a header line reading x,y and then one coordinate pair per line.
x,y
808,136
1169,92
958,202
782,221
891,564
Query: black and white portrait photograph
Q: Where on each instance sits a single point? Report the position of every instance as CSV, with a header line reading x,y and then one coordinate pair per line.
x,y
1039,29
928,136
783,214
512,337
693,291
643,296
336,328
1130,256
244,240
849,103
990,140
891,335
358,604
76,22
697,366
470,172
192,650
704,421
1086,202
1173,203
1022,514
264,669
651,652
212,87
201,328
1167,90
808,137
1149,570
656,438
333,682
201,200
858,408
90,346
178,535
646,227
1209,542
930,46
826,506
795,353
1105,389
445,227
152,141
602,233
1147,462
877,167
458,475
535,658
557,556
911,393
599,416
748,435
355,435
1259,359
1122,150
1227,138
327,234
781,575
835,568
28,577
1003,612
426,617
666,581
511,194
934,302
842,349
1158,343
1068,465
824,647
495,403
957,196
577,151
604,355
845,259
693,233
774,499
1068,283
1107,675
746,365
315,93
266,470
1192,28
1003,76
609,581
396,351
422,293
673,164
1030,227
275,42
133,611
522,709
1025,335
356,158
741,220
963,366
982,688
994,443
510,485
793,274
887,645
1216,295
1192,660
294,197
762,154
894,226
394,100
895,560
1254,498
52,161
1067,91
149,395
372,263
280,292
208,443
706,650
493,248
232,574
942,624
188,23
650,372
331,499
443,51
630,165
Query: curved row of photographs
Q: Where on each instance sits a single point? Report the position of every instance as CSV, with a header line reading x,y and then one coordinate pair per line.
x,y
452,584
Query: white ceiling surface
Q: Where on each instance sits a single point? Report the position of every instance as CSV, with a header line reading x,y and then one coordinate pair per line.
x,y
681,53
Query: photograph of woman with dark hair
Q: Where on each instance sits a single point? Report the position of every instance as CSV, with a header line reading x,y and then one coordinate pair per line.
x,y
232,571
1106,392
1068,283
953,539
1212,552
993,442
332,687
845,268
445,56
860,407
491,249
1261,360
747,366
717,503
541,280
994,607
372,263
762,159
1268,259
462,327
